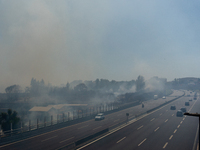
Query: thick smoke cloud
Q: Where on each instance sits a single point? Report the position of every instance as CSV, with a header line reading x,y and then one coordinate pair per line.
x,y
62,41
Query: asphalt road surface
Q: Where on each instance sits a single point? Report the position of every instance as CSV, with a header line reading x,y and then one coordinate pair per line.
x,y
159,130
140,131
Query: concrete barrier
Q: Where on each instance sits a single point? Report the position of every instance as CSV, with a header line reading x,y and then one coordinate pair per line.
x,y
148,111
83,140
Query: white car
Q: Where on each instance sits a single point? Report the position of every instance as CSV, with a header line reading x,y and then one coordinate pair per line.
x,y
99,116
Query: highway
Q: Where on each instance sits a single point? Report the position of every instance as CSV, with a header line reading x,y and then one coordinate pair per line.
x,y
159,130
135,133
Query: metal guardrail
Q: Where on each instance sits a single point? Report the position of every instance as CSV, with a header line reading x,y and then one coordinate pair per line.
x,y
55,122
86,139
44,124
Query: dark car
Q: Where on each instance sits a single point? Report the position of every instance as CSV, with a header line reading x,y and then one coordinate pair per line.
x,y
190,99
179,113
183,109
187,104
173,107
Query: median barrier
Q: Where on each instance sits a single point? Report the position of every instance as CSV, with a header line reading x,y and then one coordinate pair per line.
x,y
83,140
148,111
67,147
27,134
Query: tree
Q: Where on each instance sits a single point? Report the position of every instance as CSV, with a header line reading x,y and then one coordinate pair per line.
x,y
80,87
12,92
7,118
140,84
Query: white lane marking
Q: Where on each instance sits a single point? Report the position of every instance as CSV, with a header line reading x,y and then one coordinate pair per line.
x,y
120,127
97,127
139,127
110,132
156,129
130,122
116,120
142,142
165,145
42,134
170,137
49,138
121,139
196,138
183,118
175,131
67,140
178,126
172,114
152,119
191,107
181,122
160,114
83,127
166,120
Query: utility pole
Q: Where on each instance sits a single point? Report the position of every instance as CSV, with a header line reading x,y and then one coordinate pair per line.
x,y
195,115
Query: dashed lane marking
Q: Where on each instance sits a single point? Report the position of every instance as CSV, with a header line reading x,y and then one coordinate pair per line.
x,y
175,130
97,127
49,138
142,142
170,137
121,139
139,127
152,119
67,140
156,129
165,145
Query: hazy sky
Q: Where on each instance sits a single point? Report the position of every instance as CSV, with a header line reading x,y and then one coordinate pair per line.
x,y
65,40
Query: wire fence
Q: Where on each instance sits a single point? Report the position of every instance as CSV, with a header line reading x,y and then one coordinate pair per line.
x,y
36,124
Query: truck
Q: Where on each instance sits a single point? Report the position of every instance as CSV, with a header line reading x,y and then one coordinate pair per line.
x,y
155,97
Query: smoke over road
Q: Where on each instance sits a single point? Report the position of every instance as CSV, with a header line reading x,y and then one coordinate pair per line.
x,y
69,40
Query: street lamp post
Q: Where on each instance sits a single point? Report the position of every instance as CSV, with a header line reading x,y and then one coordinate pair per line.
x,y
195,115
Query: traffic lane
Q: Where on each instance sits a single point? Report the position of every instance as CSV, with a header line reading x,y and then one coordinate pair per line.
x,y
137,129
166,122
162,120
51,137
83,129
185,136
153,142
170,114
166,133
135,133
190,129
56,139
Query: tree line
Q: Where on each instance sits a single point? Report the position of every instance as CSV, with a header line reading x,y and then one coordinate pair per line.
x,y
86,89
